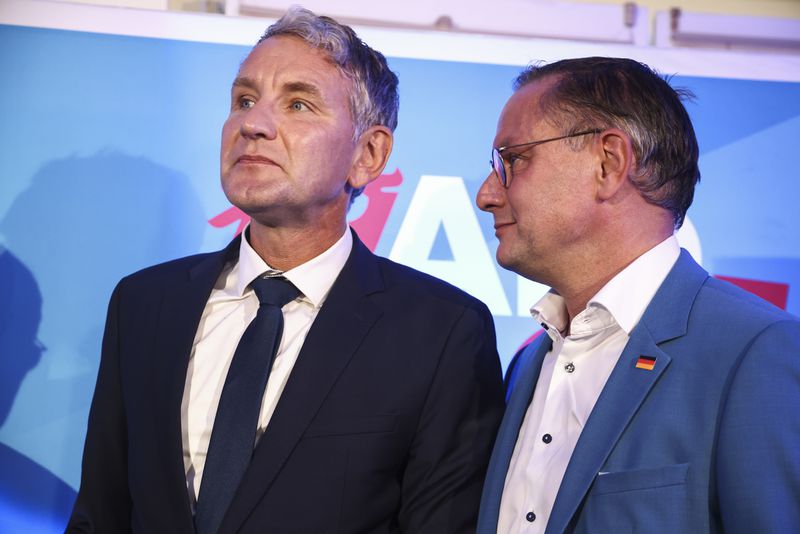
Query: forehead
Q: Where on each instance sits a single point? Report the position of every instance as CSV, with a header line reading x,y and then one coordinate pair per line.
x,y
522,115
286,59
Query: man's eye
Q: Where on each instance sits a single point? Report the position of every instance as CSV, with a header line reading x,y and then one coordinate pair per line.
x,y
512,158
298,105
246,103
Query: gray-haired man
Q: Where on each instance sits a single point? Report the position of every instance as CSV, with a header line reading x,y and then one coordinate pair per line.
x,y
376,409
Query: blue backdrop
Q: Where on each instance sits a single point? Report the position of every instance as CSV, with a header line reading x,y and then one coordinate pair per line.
x,y
109,162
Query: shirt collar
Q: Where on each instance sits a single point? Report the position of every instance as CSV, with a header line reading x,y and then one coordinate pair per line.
x,y
313,278
551,312
625,297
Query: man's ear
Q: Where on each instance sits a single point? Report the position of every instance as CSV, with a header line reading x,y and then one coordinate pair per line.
x,y
617,160
371,155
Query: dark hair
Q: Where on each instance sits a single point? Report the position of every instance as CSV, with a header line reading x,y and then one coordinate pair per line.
x,y
600,92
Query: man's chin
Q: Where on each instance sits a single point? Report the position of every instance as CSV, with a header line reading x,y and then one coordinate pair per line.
x,y
513,263
505,261
253,199
505,253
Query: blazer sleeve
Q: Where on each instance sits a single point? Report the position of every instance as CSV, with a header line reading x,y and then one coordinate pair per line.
x,y
758,463
103,503
450,452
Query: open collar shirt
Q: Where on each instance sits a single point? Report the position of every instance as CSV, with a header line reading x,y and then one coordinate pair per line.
x,y
231,307
573,374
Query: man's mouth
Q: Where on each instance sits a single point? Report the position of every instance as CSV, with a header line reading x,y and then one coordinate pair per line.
x,y
254,159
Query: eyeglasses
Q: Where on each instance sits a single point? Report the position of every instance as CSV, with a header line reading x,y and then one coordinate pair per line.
x,y
499,164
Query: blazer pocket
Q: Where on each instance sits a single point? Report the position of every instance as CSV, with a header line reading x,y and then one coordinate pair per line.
x,y
639,501
638,479
376,424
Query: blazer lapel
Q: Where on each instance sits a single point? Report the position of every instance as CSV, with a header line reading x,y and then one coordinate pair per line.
x,y
665,318
625,390
179,315
521,386
326,351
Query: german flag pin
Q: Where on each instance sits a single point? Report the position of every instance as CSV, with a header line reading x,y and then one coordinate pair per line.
x,y
646,362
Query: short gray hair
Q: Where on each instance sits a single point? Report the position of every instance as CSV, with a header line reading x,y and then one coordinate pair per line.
x,y
601,92
373,99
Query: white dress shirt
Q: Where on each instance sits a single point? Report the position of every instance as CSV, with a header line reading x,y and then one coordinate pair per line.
x,y
229,310
573,374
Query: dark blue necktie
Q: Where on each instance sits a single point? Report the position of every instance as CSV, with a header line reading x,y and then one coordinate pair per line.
x,y
234,433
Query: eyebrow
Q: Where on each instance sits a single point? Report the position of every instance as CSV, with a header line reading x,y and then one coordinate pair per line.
x,y
302,87
244,81
289,87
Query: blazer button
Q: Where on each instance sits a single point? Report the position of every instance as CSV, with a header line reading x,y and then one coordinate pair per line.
x,y
547,438
531,517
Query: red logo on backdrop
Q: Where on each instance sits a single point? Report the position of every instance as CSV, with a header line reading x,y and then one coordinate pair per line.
x,y
774,292
230,216
369,226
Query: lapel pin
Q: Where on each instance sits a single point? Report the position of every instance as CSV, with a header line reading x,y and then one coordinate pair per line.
x,y
646,362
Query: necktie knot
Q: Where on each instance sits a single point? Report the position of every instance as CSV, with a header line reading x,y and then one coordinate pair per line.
x,y
274,291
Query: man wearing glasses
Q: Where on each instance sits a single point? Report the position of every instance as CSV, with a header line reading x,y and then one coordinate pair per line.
x,y
658,399
293,382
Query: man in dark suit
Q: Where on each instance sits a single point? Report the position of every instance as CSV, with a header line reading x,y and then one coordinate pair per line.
x,y
659,399
385,392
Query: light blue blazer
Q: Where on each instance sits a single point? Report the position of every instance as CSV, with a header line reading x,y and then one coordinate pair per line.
x,y
706,441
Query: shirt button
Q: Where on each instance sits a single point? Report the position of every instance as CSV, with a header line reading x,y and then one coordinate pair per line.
x,y
570,367
547,438
531,517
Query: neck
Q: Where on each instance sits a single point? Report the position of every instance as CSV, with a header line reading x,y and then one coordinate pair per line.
x,y
589,279
621,231
286,248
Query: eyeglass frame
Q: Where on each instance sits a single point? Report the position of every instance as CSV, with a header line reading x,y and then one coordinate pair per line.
x,y
497,153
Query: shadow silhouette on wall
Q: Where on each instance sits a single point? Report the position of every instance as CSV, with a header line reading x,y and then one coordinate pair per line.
x,y
82,224
29,493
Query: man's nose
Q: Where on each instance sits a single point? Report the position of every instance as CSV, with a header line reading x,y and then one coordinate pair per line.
x,y
491,193
260,121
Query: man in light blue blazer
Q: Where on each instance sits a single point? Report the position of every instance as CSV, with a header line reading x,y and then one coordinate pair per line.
x,y
659,399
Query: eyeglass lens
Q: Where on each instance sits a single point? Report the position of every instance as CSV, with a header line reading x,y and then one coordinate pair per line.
x,y
499,166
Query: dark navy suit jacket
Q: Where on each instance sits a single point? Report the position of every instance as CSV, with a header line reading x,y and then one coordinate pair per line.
x,y
385,425
707,441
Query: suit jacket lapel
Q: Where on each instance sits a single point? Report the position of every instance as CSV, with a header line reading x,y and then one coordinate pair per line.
x,y
666,317
326,351
179,315
521,386
625,390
